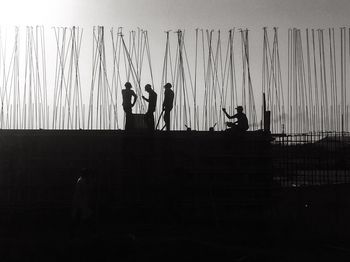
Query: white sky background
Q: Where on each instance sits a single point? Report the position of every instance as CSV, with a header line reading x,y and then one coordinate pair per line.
x,y
164,14
156,16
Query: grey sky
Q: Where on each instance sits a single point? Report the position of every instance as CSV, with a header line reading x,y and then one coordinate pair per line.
x,y
154,14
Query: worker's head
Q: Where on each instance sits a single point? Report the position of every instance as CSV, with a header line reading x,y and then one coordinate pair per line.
x,y
148,88
128,85
239,108
167,85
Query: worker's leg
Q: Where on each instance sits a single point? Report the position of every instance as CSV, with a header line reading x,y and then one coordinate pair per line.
x,y
167,120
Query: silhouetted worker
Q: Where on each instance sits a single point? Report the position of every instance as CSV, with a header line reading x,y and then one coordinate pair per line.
x,y
128,94
152,102
241,124
168,104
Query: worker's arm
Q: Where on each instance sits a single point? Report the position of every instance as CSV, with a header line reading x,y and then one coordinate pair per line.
x,y
146,99
227,115
135,98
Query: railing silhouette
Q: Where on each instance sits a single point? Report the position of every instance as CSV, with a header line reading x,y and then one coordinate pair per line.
x,y
312,159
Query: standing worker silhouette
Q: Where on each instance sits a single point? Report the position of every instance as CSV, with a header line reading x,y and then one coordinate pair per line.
x,y
152,101
241,125
168,104
127,94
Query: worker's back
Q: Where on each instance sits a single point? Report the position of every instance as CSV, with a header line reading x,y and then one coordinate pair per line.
x,y
127,94
152,101
168,99
242,121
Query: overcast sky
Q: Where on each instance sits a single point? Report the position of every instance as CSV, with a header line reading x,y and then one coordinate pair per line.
x,y
154,14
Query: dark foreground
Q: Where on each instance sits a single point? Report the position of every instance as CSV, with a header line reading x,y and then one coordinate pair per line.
x,y
116,242
181,196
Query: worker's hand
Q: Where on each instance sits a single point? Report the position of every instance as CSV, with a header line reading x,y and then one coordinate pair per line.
x,y
143,97
224,109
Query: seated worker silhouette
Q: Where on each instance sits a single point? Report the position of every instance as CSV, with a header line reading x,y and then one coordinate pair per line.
x,y
241,125
152,102
127,94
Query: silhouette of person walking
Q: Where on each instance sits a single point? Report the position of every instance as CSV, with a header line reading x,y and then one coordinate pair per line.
x,y
152,102
168,104
241,125
128,94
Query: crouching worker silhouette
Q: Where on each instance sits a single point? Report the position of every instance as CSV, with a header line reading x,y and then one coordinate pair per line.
x,y
241,125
